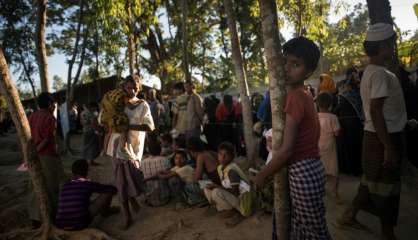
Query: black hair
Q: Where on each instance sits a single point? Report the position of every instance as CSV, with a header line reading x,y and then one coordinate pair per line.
x,y
372,47
180,141
93,105
154,146
228,148
324,100
228,102
304,48
45,100
182,153
134,79
80,167
195,144
167,137
179,86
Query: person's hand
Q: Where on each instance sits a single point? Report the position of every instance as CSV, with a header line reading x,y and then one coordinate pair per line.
x,y
390,158
260,180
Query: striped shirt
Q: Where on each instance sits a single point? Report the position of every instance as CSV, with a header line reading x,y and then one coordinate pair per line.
x,y
74,201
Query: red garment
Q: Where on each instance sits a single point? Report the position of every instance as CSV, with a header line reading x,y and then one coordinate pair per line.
x,y
300,105
43,125
222,112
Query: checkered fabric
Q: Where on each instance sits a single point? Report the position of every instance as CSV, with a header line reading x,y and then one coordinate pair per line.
x,y
152,165
307,189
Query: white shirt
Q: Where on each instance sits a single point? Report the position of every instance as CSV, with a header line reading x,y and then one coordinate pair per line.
x,y
378,82
137,116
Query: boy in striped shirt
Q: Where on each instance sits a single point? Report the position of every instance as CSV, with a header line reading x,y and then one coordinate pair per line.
x,y
75,210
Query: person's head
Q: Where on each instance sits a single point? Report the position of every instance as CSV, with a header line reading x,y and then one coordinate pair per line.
x,y
80,168
326,84
195,145
93,106
301,59
228,101
324,101
380,42
178,88
154,146
189,85
46,101
179,142
226,153
180,158
166,139
132,85
152,94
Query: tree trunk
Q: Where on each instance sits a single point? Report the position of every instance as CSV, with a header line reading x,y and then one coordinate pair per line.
x,y
242,81
40,46
275,64
80,64
185,63
27,74
96,57
131,42
9,91
74,57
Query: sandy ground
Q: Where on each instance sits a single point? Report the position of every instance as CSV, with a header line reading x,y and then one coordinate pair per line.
x,y
192,223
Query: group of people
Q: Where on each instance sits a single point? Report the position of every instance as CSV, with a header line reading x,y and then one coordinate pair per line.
x,y
369,111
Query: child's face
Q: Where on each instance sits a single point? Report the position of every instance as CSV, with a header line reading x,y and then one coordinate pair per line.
x,y
131,89
179,160
224,157
295,70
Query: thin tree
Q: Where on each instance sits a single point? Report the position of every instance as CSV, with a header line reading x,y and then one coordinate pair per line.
x,y
9,91
275,63
242,81
185,62
131,43
40,45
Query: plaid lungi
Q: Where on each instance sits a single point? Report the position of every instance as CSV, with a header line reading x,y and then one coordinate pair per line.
x,y
307,190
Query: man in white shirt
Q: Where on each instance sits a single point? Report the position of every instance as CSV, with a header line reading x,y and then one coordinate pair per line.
x,y
383,140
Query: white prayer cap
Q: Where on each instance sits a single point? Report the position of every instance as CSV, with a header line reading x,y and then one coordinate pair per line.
x,y
379,32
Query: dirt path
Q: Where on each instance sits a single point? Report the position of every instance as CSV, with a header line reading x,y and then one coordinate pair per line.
x,y
164,223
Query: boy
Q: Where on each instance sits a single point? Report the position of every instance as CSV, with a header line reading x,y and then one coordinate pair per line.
x,y
43,127
186,187
383,139
299,150
75,211
233,197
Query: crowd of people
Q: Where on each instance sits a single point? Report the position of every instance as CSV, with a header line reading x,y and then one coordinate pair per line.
x,y
183,150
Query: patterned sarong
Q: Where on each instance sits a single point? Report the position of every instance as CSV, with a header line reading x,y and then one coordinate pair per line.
x,y
307,189
380,188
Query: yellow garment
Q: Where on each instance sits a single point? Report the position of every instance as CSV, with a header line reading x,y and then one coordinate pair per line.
x,y
245,197
113,115
326,84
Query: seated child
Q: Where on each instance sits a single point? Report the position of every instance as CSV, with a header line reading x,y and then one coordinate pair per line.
x,y
75,210
181,182
266,194
233,197
166,144
330,128
113,115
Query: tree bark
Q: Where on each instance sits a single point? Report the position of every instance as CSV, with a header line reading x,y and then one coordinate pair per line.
x,y
131,42
9,91
185,63
69,91
243,85
80,64
275,64
40,45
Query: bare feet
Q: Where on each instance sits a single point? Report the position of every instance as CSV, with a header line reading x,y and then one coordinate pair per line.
x,y
349,222
227,213
134,204
236,219
93,163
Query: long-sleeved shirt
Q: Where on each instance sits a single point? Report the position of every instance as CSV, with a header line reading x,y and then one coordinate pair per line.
x,y
74,202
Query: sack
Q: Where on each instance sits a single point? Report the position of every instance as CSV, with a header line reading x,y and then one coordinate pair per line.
x,y
152,165
157,192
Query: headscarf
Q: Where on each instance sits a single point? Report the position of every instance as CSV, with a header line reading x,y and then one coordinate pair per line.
x,y
352,94
326,84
